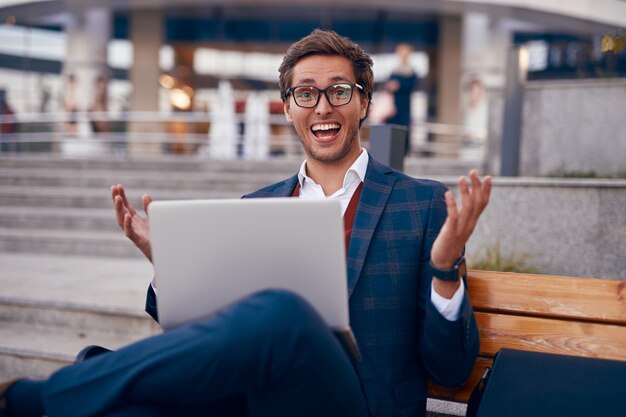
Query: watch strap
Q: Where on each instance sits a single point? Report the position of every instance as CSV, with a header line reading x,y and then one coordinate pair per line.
x,y
457,271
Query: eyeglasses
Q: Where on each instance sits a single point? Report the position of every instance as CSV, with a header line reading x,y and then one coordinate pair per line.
x,y
337,94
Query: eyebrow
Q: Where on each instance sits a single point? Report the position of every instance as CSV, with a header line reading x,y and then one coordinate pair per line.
x,y
306,81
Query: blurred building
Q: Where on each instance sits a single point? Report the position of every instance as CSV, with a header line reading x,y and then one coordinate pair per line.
x,y
170,56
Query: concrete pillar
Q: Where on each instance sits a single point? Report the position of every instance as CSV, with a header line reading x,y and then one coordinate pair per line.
x,y
146,34
185,85
449,77
486,43
88,33
517,73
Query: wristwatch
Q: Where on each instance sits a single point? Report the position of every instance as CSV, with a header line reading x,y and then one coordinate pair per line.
x,y
458,270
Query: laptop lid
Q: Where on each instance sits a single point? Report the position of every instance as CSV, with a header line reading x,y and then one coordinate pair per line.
x,y
210,253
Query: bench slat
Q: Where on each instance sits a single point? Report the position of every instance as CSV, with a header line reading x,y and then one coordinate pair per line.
x,y
590,299
550,336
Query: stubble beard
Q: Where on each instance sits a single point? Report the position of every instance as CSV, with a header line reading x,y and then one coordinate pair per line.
x,y
346,148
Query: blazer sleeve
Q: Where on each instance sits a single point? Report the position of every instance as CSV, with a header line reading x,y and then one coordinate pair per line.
x,y
448,348
151,304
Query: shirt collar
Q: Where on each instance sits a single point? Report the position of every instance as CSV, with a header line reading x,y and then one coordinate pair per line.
x,y
356,172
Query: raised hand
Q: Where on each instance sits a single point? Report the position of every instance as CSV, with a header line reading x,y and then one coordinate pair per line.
x,y
461,222
135,227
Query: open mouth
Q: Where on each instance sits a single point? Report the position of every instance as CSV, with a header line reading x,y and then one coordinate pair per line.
x,y
325,131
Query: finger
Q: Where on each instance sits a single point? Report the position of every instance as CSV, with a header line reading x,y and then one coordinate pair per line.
x,y
463,189
453,213
486,191
476,186
146,199
120,211
481,194
467,208
128,226
117,189
122,192
476,193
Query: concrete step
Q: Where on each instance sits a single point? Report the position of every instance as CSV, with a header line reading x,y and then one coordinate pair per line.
x,y
282,167
29,218
94,198
52,306
55,161
167,180
429,167
35,351
67,242
149,163
121,321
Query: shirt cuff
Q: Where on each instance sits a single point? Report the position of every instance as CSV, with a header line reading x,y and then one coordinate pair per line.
x,y
449,308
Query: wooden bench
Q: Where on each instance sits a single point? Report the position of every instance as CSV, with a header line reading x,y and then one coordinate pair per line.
x,y
552,314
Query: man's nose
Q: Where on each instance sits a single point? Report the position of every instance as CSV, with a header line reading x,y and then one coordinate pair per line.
x,y
323,106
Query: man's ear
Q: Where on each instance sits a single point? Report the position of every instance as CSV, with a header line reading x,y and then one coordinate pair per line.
x,y
364,106
287,111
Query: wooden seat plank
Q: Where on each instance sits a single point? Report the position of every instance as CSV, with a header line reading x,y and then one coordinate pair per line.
x,y
550,336
544,295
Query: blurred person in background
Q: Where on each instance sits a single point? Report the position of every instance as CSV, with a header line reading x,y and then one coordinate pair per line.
x,y
99,106
402,82
7,125
70,104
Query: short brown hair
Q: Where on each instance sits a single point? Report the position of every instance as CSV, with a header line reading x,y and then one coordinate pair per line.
x,y
327,42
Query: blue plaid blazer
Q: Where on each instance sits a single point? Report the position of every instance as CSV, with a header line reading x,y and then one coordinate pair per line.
x,y
403,339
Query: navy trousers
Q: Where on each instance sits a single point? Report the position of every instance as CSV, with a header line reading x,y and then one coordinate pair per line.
x,y
270,354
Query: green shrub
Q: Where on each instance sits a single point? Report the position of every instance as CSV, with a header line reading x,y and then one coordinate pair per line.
x,y
586,174
492,259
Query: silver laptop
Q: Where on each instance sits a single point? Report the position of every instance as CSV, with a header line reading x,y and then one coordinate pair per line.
x,y
210,253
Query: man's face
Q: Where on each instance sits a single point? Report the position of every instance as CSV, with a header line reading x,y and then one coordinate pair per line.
x,y
328,134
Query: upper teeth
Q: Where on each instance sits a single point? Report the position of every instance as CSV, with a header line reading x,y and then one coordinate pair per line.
x,y
326,126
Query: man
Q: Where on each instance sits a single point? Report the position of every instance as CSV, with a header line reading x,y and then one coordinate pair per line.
x,y
402,82
271,354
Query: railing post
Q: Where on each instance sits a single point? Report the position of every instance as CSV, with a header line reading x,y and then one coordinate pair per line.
x,y
517,69
388,145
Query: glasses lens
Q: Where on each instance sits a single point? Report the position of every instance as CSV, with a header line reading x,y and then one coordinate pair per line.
x,y
305,96
339,94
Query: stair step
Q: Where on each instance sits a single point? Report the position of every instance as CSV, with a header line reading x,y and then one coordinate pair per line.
x,y
35,351
94,198
70,315
29,218
53,306
74,242
83,282
150,163
163,179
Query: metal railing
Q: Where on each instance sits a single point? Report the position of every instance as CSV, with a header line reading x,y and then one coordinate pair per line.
x,y
193,133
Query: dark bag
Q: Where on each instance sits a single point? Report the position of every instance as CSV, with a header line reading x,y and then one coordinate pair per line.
x,y
524,384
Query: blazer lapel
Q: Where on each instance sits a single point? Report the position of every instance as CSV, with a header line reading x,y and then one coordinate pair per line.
x,y
376,190
285,188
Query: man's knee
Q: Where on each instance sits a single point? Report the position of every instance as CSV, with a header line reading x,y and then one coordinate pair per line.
x,y
284,310
285,304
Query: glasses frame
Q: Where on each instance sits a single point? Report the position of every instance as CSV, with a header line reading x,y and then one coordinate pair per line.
x,y
325,91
